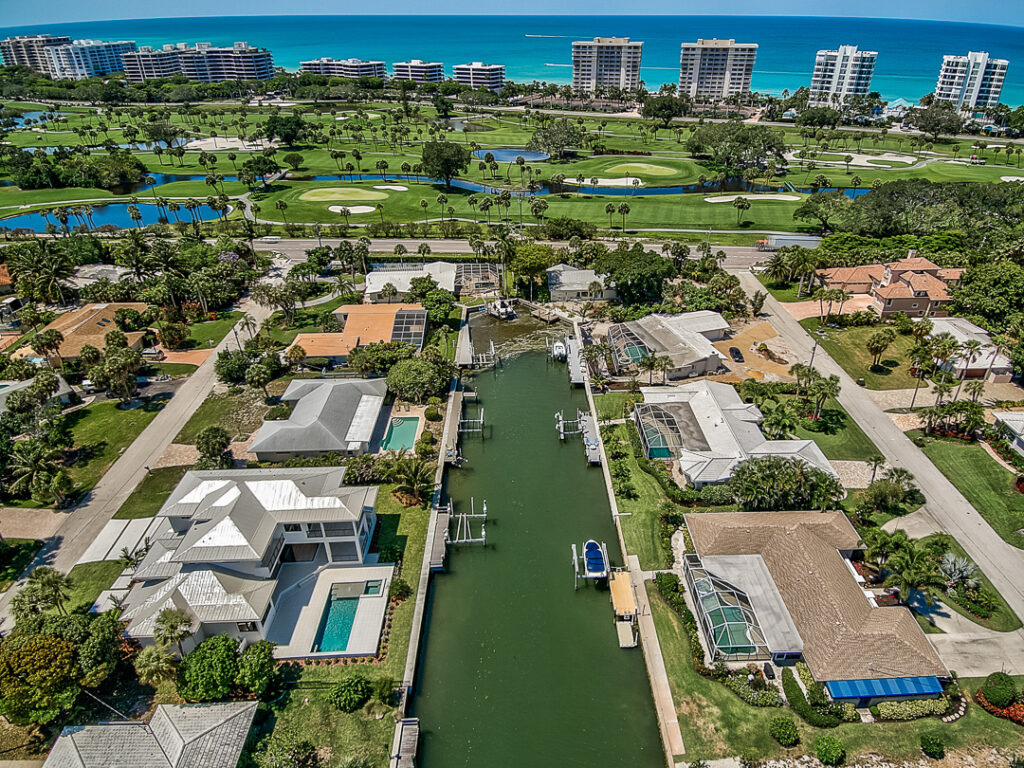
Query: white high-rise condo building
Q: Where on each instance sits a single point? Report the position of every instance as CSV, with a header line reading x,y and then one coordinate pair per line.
x,y
716,68
606,62
419,71
202,64
479,75
30,50
87,58
974,81
350,68
841,73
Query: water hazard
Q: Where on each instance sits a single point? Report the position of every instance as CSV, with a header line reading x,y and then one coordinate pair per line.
x,y
517,669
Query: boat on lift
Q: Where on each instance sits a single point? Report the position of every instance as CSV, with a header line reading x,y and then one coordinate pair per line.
x,y
503,309
595,560
558,350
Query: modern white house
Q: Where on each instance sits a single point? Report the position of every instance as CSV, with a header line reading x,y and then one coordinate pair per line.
x,y
476,74
970,82
716,68
707,429
569,283
1013,424
232,542
685,339
328,416
418,71
80,59
990,364
347,68
402,275
606,62
841,73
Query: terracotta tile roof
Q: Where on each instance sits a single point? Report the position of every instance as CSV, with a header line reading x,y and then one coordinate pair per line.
x,y
364,324
950,275
846,275
90,324
5,276
844,636
914,263
896,290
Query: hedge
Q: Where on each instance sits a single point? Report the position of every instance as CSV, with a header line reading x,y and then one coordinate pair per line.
x,y
913,709
798,702
766,698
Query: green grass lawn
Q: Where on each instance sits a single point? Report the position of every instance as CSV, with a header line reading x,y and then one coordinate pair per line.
x,y
239,412
88,580
840,438
101,433
848,347
783,291
1003,618
715,723
151,493
306,707
614,405
209,333
307,320
15,555
986,485
640,521
174,370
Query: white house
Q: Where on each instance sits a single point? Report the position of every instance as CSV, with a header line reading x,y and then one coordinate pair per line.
x,y
989,363
1013,423
569,283
685,339
401,277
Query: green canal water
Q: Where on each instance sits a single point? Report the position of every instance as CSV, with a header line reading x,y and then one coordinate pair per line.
x,y
517,669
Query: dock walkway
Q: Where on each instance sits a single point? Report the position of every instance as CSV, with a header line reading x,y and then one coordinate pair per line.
x,y
574,357
451,436
406,743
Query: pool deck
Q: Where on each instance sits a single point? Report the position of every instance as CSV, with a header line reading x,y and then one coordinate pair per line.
x,y
302,604
397,411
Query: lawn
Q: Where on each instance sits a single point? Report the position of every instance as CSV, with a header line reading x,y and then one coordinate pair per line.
x,y
840,439
784,291
641,526
715,723
15,555
305,707
1003,619
988,487
101,432
239,411
307,320
151,493
615,405
174,370
848,347
89,579
209,333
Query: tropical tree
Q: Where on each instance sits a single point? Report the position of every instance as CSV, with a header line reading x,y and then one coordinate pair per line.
x,y
912,570
413,477
52,586
173,627
32,463
741,204
155,664
878,342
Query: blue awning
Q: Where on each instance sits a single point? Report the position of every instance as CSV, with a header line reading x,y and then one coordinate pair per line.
x,y
891,686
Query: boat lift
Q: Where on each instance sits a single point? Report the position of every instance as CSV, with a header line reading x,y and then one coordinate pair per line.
x,y
486,359
585,426
472,425
568,427
589,562
464,533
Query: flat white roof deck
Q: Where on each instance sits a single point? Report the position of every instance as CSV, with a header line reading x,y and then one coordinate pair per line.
x,y
300,610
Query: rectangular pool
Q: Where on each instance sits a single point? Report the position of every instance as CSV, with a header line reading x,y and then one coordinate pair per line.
x,y
336,625
401,434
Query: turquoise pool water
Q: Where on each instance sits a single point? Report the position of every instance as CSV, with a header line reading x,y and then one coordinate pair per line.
x,y
336,624
401,435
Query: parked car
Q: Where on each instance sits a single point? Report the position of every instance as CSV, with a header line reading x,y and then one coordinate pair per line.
x,y
153,353
769,671
88,387
735,354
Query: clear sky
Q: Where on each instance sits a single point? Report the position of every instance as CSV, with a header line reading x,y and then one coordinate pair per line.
x,y
35,12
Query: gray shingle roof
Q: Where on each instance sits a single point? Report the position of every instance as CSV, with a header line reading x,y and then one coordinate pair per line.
x,y
565,277
190,736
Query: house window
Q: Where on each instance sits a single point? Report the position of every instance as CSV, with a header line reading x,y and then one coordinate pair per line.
x,y
246,626
888,302
913,306
339,529
344,551
314,531
292,527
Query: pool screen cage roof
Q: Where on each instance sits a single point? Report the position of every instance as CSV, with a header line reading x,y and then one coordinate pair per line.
x,y
726,615
410,326
476,276
627,347
659,431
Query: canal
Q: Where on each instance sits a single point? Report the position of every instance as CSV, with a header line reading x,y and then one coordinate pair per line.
x,y
517,669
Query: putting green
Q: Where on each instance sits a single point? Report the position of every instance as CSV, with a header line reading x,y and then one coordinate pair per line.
x,y
341,193
641,169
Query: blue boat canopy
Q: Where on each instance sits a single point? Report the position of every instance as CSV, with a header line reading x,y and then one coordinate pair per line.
x,y
892,686
594,558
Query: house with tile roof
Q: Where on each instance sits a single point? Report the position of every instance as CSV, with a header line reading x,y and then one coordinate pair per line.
x,y
364,324
88,325
781,586
177,736
915,286
706,429
224,535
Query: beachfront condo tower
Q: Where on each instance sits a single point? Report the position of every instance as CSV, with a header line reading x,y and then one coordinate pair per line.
x,y
87,58
971,82
606,62
841,73
419,71
476,74
716,68
348,68
204,63
30,50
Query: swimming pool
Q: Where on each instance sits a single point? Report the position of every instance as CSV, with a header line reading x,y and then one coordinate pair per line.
x,y
401,435
336,624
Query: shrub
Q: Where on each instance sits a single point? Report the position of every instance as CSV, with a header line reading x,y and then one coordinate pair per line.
x,y
400,589
278,412
911,710
209,671
716,494
431,413
384,690
784,731
351,693
999,690
933,746
798,702
427,437
739,685
830,750
316,362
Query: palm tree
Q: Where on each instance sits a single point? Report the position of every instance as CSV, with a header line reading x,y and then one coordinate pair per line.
x,y
957,571
969,352
648,363
623,212
876,462
250,325
52,585
155,665
741,204
414,477
912,570
609,208
31,463
975,389
282,206
388,291
173,627
941,389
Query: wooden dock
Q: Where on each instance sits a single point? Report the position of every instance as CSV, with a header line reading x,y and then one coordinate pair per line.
x,y
439,545
577,365
407,739
451,436
546,315
626,633
591,444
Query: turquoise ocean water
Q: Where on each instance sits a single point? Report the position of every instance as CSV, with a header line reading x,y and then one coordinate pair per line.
x,y
538,47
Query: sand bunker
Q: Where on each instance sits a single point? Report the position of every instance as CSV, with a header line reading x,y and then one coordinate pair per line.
x,y
346,116
641,169
625,181
1012,178
392,187
352,209
730,198
325,194
229,142
860,160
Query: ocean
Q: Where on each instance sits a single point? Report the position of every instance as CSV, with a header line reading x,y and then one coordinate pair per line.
x,y
539,47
